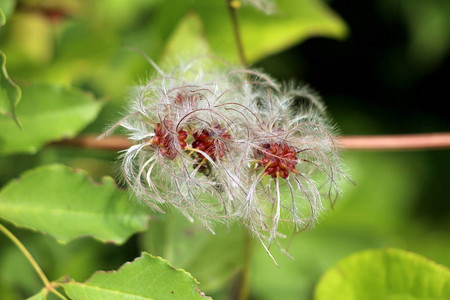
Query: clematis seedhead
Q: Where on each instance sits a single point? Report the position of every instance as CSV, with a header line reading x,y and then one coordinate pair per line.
x,y
229,144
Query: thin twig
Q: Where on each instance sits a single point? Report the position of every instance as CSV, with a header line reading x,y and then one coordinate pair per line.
x,y
48,285
245,277
233,5
357,142
27,254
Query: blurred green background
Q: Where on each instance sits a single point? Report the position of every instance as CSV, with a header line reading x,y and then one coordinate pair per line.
x,y
386,71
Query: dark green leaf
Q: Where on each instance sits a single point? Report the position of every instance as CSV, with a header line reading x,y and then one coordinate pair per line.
x,y
10,92
66,204
47,113
42,295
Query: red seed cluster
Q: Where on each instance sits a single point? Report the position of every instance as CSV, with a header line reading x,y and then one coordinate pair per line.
x,y
279,159
163,141
211,142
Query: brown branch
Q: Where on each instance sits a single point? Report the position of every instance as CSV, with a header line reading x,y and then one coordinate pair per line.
x,y
361,142
115,143
396,142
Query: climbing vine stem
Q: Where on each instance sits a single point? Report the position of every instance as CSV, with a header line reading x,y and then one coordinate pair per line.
x,y
48,285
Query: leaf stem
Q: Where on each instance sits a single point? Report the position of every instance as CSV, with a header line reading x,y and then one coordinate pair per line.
x,y
48,285
27,254
233,5
60,296
245,277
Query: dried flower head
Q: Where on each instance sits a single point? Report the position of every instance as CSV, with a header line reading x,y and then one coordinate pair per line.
x,y
187,139
293,160
231,145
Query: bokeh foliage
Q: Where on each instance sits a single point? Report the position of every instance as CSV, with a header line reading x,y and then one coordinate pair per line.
x,y
75,62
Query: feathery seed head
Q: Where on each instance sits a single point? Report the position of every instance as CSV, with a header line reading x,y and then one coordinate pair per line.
x,y
231,145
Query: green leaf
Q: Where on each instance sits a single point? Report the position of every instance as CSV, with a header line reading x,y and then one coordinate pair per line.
x,y
42,295
147,277
264,35
187,39
2,18
66,204
6,9
10,92
47,113
390,274
428,25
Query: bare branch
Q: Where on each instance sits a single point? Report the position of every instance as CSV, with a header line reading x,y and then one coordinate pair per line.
x,y
356,142
396,142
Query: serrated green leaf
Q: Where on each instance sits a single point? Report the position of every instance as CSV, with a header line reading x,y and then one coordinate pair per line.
x,y
47,113
66,204
10,92
264,35
147,277
390,274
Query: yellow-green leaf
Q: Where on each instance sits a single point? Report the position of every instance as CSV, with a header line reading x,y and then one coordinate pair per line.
x,y
390,274
147,277
264,35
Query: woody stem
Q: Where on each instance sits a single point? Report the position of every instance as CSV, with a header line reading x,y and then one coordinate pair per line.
x,y
359,142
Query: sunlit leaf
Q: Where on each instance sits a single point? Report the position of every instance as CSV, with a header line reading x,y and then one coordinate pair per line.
x,y
29,42
10,92
187,39
2,18
6,8
66,204
385,274
47,113
147,277
264,35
